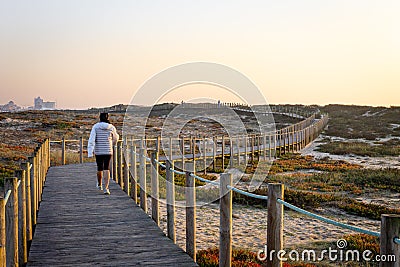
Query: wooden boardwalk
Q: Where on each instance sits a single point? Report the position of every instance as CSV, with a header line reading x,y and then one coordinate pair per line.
x,y
80,226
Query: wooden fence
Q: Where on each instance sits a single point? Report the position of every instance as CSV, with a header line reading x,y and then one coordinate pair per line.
x,y
19,207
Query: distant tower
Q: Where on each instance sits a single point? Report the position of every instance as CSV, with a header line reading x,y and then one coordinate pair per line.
x,y
38,103
43,105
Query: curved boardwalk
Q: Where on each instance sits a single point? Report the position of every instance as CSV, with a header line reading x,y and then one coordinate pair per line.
x,y
80,226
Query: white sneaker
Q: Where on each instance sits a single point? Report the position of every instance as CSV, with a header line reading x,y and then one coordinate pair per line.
x,y
106,191
99,187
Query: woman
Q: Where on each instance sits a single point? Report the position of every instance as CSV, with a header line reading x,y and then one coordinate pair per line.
x,y
101,141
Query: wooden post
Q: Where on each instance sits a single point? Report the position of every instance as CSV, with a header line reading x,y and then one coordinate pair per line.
x,y
193,140
307,136
225,220
22,238
190,195
40,169
245,151
214,153
37,184
191,150
119,164
264,136
114,163
205,155
171,151
390,229
230,152
171,232
280,141
238,149
33,189
274,222
48,153
142,179
81,150
63,151
269,147
126,172
294,143
223,153
133,172
158,145
252,148
29,228
284,140
12,222
183,152
2,233
154,188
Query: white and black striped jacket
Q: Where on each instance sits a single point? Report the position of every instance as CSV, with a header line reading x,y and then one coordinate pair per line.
x,y
102,138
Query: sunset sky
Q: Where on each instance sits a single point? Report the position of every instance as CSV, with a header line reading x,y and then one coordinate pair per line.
x,y
96,53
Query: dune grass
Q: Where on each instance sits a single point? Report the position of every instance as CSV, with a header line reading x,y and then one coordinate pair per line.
x,y
389,148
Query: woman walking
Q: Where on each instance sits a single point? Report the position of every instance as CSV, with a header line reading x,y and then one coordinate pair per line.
x,y
101,141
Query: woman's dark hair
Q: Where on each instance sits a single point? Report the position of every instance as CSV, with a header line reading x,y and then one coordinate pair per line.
x,y
104,117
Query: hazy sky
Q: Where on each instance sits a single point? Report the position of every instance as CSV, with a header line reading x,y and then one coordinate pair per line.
x,y
98,53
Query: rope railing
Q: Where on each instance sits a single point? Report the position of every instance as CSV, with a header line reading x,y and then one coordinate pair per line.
x,y
247,193
327,220
177,172
203,179
395,240
286,204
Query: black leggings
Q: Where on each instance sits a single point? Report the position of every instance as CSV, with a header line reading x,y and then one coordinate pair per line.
x,y
103,162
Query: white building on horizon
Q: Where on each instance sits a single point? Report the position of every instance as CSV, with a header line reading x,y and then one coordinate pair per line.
x,y
39,104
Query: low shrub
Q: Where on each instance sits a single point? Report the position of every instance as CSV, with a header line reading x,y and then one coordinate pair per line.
x,y
360,148
240,258
362,242
369,210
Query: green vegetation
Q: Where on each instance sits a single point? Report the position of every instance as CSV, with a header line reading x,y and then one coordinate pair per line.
x,y
240,258
389,148
362,121
210,257
362,242
335,187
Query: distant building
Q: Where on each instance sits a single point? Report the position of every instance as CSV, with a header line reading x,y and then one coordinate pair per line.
x,y
10,107
40,104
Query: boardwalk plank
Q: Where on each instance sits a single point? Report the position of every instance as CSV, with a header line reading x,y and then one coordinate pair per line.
x,y
79,225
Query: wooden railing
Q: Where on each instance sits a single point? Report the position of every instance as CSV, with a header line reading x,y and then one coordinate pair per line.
x,y
129,175
19,207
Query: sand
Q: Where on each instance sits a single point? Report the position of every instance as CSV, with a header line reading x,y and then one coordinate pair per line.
x,y
250,226
366,162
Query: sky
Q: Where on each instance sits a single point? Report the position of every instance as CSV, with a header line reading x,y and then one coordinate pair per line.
x,y
97,53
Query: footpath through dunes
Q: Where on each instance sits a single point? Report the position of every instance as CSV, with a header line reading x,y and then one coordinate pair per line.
x,y
80,226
